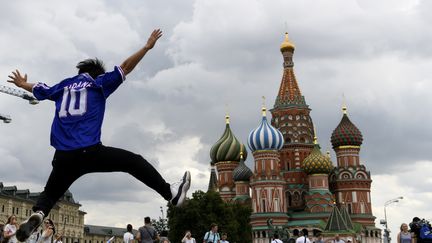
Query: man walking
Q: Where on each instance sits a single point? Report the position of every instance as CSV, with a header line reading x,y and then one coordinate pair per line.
x,y
76,132
147,233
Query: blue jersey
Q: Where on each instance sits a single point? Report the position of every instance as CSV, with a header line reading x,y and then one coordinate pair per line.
x,y
80,107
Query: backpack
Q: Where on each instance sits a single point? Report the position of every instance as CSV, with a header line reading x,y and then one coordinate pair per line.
x,y
214,235
425,232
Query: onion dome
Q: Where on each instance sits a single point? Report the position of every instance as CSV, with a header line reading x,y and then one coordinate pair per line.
x,y
287,44
227,148
265,136
346,133
242,172
316,162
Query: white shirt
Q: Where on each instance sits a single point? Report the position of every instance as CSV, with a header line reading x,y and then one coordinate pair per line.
x,y
224,241
339,241
301,239
33,237
128,237
277,241
191,240
10,228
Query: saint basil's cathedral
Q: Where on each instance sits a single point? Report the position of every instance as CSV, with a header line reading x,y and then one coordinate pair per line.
x,y
292,182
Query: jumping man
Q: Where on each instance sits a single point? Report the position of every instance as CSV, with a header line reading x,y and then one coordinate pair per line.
x,y
76,131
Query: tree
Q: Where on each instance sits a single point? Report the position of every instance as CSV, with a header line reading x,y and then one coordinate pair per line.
x,y
203,209
160,224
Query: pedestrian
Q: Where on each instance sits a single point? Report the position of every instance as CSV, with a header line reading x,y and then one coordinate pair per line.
x,y
212,236
404,236
147,233
319,239
76,132
10,229
303,237
128,237
48,232
33,237
58,238
188,237
224,238
276,238
164,236
293,239
337,239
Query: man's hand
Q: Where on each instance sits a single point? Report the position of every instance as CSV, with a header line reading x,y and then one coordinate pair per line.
x,y
17,79
155,35
20,81
129,64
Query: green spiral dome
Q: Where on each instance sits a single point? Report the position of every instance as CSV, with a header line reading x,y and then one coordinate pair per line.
x,y
227,148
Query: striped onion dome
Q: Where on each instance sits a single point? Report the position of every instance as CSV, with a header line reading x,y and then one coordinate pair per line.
x,y
346,133
227,148
265,136
242,172
316,162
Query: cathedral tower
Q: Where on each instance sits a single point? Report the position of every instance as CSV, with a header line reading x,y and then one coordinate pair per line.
x,y
318,166
350,181
241,176
291,116
225,155
267,183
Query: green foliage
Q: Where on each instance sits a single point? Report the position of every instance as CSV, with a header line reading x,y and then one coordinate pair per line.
x,y
203,209
160,224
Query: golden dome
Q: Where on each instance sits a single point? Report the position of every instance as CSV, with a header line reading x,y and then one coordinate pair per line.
x,y
287,44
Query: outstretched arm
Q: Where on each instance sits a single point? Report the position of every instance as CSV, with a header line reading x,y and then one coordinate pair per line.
x,y
129,64
20,81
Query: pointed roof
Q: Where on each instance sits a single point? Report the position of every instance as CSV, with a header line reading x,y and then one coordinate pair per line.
x,y
335,221
346,216
289,92
213,180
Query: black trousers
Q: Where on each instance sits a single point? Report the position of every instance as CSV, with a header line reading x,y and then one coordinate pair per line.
x,y
68,166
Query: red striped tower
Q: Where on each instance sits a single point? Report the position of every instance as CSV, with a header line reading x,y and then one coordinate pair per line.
x,y
351,181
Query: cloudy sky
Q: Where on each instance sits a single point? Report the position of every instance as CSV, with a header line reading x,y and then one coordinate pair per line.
x,y
219,54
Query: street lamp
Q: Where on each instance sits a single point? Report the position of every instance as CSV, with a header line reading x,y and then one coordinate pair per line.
x,y
5,118
385,223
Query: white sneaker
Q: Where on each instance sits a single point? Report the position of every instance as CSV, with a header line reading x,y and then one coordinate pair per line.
x,y
179,189
27,227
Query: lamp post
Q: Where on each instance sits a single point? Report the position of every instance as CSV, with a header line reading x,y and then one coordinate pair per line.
x,y
386,230
5,118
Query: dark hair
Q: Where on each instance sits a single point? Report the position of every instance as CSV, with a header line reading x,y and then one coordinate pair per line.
x,y
52,224
9,220
147,220
276,236
212,225
129,228
94,67
305,232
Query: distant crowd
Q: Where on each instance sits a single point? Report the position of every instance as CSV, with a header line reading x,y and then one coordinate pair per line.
x,y
47,233
145,234
418,231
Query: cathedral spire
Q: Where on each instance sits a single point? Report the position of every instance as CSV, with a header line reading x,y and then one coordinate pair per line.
x,y
289,92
